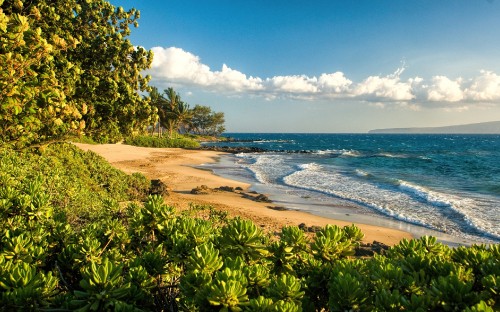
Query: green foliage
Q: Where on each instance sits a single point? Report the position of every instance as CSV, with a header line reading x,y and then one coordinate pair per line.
x,y
348,286
228,290
204,121
242,238
173,113
286,288
23,287
102,286
332,243
153,141
205,258
73,239
79,184
67,68
176,116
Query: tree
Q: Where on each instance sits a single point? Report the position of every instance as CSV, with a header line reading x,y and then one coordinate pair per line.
x,y
184,115
173,102
173,113
206,122
159,102
67,68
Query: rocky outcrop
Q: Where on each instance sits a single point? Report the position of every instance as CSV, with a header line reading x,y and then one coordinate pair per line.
x,y
232,149
202,190
158,188
370,249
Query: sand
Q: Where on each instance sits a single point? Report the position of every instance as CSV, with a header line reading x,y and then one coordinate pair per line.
x,y
176,168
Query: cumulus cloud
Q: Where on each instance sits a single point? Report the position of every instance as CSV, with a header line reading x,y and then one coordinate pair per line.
x,y
176,66
485,87
293,84
445,89
389,87
334,83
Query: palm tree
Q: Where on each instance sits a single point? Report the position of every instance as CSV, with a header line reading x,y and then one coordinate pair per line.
x,y
184,115
173,100
159,102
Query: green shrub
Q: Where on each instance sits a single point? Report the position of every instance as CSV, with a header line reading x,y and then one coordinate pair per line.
x,y
63,178
71,238
153,141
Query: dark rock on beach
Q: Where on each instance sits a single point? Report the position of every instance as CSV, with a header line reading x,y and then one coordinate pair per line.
x,y
201,190
258,198
262,198
233,150
368,250
311,229
278,208
225,188
158,188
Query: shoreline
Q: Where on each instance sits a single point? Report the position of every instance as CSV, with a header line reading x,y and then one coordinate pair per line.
x,y
180,170
333,209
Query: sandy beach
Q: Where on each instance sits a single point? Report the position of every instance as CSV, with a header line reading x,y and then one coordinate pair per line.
x,y
176,168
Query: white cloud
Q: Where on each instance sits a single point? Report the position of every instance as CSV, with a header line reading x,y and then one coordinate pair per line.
x,y
336,83
485,87
388,88
177,64
443,89
293,84
178,67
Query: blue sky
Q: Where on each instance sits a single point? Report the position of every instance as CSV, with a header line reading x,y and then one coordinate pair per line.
x,y
327,66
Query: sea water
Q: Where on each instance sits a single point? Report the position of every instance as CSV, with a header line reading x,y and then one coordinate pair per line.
x,y
446,183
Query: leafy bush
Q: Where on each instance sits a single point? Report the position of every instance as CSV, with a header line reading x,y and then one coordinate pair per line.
x,y
65,179
153,141
72,239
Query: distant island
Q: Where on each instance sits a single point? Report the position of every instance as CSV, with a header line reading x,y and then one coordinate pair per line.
x,y
492,127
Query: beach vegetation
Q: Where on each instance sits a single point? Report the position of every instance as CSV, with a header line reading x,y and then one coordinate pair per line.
x,y
78,234
205,121
173,113
177,117
67,68
154,141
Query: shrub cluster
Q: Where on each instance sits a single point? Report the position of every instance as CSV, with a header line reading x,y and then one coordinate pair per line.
x,y
148,257
79,184
153,141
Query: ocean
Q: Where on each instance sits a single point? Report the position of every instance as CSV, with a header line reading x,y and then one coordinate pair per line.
x,y
442,184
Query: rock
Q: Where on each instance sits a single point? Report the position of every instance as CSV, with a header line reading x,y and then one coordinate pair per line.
x,y
279,208
157,187
262,198
232,150
225,188
201,190
238,188
379,247
364,252
368,250
314,228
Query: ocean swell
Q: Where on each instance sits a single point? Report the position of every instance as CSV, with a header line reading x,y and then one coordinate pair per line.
x,y
409,202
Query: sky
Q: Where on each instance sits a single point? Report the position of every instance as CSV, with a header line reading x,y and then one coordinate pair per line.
x,y
327,66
